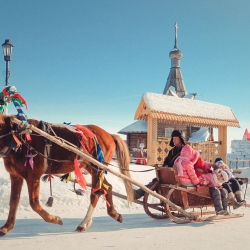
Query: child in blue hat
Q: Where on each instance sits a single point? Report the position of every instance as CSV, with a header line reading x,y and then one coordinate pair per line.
x,y
232,186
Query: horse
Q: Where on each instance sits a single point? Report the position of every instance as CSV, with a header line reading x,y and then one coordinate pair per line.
x,y
61,162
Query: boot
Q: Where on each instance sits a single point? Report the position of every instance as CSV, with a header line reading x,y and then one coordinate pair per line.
x,y
138,193
238,196
232,200
222,212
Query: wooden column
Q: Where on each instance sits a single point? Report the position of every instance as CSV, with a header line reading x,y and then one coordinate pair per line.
x,y
222,136
152,140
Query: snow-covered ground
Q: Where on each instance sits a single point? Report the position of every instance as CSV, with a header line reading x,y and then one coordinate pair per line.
x,y
138,230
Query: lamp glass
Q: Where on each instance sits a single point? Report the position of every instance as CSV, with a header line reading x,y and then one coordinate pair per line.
x,y
7,49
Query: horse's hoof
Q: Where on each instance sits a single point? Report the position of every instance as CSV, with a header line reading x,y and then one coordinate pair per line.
x,y
59,221
2,233
80,229
120,219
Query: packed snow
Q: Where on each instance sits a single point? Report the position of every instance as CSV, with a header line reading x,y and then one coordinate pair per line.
x,y
189,107
138,230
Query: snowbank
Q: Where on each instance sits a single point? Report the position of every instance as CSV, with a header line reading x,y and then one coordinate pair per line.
x,y
67,203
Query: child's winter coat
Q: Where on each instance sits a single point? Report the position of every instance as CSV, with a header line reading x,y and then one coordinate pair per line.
x,y
202,167
185,165
211,179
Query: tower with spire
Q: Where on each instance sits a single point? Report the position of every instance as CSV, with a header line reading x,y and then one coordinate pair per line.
x,y
175,80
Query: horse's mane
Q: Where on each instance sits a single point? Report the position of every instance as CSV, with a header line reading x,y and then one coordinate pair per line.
x,y
2,119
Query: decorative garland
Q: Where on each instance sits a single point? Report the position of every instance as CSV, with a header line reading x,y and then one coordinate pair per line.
x,y
9,94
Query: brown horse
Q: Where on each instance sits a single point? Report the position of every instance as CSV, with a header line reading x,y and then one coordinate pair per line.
x,y
62,163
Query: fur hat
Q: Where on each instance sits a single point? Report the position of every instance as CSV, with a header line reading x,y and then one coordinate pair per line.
x,y
219,163
218,159
224,174
177,133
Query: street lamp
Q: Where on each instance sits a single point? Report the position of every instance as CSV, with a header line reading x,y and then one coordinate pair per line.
x,y
7,52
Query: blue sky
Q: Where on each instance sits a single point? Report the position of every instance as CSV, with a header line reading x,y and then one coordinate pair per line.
x,y
89,62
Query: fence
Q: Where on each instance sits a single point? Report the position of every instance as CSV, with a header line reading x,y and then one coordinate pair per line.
x,y
237,163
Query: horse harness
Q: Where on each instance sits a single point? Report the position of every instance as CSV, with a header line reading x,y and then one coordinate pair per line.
x,y
20,130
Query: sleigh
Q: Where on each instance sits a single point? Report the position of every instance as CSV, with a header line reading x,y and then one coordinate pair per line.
x,y
168,185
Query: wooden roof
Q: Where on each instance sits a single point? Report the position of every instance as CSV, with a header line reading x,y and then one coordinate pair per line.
x,y
185,111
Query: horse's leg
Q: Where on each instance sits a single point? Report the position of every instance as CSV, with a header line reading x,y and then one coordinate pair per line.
x,y
110,206
34,189
93,202
85,224
87,221
16,187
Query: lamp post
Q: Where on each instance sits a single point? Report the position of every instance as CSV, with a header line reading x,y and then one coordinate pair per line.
x,y
7,52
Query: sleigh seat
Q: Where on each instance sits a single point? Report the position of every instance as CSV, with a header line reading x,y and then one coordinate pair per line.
x,y
184,195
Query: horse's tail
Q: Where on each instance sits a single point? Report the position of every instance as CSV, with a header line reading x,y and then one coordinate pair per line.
x,y
123,160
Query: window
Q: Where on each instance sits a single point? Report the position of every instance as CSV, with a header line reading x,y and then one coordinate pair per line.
x,y
168,132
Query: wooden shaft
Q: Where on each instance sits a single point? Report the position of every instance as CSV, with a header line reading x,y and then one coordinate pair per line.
x,y
63,144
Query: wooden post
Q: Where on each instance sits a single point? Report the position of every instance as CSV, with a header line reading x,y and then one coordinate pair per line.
x,y
222,137
74,149
237,163
152,140
230,164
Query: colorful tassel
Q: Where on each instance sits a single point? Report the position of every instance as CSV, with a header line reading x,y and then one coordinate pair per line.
x,y
30,157
78,175
16,140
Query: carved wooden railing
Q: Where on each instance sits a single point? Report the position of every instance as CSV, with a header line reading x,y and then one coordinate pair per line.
x,y
208,150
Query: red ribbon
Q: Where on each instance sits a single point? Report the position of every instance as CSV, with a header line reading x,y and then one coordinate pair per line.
x,y
79,177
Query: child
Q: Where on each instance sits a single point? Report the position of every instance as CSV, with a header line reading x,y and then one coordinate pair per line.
x,y
232,186
219,195
202,167
185,166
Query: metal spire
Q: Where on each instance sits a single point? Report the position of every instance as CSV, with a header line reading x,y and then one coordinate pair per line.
x,y
175,42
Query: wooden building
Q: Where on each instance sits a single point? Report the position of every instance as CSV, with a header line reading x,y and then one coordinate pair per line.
x,y
136,135
165,113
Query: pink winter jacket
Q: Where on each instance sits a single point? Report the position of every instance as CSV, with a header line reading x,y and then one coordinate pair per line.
x,y
185,165
210,179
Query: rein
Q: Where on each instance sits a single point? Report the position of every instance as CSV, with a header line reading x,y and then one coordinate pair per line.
x,y
147,170
5,135
66,142
48,158
38,153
